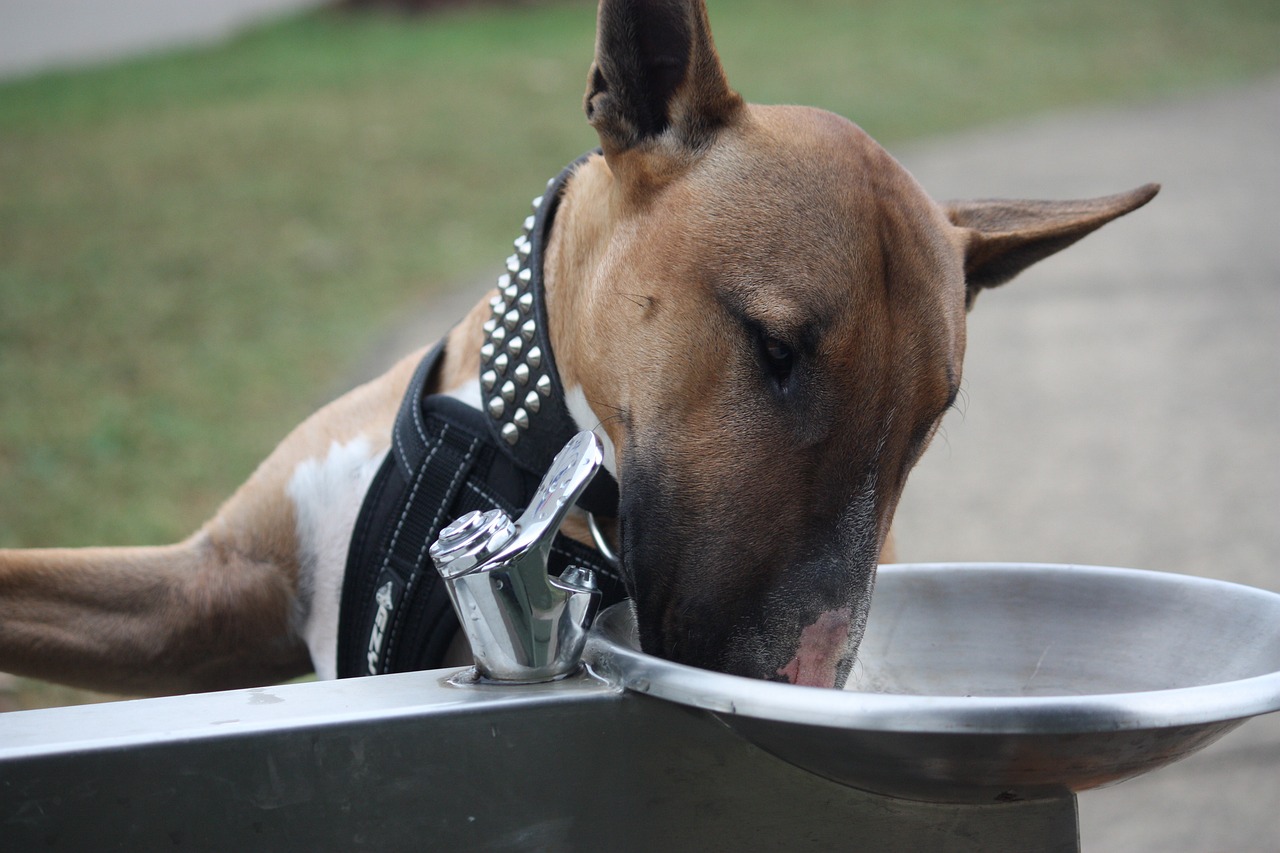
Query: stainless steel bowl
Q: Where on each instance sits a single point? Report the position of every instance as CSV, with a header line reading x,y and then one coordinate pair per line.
x,y
999,682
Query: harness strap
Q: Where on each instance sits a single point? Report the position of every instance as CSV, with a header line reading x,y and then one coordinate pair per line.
x,y
395,614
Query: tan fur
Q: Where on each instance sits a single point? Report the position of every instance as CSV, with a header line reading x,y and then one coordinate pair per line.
x,y
462,352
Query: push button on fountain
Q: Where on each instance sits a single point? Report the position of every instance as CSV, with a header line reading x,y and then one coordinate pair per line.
x,y
470,541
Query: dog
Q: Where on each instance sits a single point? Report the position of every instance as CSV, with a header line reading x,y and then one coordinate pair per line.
x,y
759,312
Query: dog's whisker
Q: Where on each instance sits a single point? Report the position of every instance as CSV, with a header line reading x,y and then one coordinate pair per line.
x,y
640,299
618,410
961,402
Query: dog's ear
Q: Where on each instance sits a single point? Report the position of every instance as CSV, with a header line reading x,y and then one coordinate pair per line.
x,y
1002,237
656,75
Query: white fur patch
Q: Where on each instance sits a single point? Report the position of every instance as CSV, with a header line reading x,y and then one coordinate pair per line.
x,y
468,392
575,400
327,494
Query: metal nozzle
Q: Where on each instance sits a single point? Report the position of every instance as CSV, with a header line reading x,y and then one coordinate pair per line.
x,y
523,625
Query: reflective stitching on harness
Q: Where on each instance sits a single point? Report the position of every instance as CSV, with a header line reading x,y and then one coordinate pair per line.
x,y
408,505
389,648
484,493
395,436
467,459
407,595
417,419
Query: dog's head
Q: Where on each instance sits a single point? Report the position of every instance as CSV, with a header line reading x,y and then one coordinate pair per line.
x,y
768,323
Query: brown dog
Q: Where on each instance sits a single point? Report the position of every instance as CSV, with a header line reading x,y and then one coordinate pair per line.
x,y
760,313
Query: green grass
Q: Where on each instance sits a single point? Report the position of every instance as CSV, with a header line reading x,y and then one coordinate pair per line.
x,y
195,247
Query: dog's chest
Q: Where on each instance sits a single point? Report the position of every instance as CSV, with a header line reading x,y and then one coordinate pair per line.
x,y
327,494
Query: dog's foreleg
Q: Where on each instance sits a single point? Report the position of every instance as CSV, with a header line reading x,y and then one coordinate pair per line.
x,y
220,610
146,621
250,599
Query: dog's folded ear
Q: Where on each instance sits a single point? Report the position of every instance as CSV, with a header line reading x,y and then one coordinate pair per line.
x,y
1003,237
656,75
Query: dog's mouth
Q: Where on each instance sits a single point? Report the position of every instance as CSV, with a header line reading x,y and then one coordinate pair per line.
x,y
803,629
811,651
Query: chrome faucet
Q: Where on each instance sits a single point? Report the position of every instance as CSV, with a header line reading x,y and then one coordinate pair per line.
x,y
523,625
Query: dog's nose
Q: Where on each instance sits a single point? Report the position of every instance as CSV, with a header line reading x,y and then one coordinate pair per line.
x,y
523,625
823,654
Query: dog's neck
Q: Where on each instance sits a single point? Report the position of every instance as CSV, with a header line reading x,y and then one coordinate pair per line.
x,y
532,414
519,385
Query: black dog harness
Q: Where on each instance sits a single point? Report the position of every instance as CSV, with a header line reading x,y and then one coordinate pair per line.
x,y
447,459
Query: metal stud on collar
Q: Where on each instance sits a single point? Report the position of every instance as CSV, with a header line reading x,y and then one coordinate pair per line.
x,y
510,360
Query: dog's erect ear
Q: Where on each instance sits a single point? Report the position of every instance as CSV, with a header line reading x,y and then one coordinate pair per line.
x,y
656,72
1002,237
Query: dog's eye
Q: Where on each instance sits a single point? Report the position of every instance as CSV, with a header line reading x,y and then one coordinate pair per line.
x,y
779,353
778,356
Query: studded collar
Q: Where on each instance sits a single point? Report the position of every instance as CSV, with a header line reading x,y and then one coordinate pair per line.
x,y
520,387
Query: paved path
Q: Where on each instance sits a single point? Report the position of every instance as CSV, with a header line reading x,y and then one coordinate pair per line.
x,y
41,34
1122,402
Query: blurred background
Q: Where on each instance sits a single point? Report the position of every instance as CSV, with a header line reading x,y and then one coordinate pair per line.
x,y
216,215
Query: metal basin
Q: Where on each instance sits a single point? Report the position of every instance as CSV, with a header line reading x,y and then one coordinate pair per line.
x,y
999,682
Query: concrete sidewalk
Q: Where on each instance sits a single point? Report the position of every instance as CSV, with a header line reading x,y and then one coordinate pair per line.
x,y
36,35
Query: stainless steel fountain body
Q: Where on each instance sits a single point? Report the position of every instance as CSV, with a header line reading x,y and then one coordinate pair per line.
x,y
523,626
1080,676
